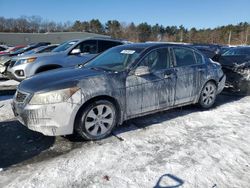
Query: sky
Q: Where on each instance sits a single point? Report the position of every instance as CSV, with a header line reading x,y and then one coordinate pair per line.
x,y
190,13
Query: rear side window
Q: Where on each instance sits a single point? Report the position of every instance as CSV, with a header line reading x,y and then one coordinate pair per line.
x,y
104,45
199,58
89,46
184,57
157,60
48,49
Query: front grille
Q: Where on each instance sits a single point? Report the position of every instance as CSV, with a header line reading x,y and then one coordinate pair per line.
x,y
12,63
21,97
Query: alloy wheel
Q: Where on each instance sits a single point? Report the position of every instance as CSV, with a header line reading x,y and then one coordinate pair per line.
x,y
99,120
208,94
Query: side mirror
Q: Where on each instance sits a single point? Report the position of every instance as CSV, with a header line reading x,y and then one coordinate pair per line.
x,y
142,70
75,52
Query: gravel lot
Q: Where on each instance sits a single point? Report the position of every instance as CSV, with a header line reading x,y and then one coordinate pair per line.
x,y
184,147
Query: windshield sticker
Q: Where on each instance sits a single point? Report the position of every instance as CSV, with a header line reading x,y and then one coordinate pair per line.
x,y
127,52
71,43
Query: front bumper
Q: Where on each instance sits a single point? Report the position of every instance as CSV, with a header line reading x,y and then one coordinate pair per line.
x,y
221,84
14,72
50,119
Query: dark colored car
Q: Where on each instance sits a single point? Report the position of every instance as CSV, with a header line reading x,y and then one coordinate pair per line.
x,y
210,50
235,63
124,82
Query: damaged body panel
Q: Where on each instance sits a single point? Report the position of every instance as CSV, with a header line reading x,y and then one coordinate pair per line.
x,y
124,82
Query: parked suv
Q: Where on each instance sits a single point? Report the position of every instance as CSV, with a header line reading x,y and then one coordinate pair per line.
x,y
124,82
12,60
67,54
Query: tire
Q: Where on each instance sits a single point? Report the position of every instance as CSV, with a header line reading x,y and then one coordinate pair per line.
x,y
96,120
208,95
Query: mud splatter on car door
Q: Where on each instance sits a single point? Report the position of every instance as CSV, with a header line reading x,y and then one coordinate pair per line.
x,y
155,89
186,71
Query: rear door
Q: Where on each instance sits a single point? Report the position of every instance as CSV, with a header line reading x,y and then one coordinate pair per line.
x,y
187,69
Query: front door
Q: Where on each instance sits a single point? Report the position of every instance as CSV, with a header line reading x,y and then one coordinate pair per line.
x,y
154,90
88,49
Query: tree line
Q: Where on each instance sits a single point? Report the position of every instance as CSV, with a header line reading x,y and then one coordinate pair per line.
x,y
229,34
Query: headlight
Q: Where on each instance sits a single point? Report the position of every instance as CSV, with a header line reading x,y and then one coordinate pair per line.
x,y
23,61
53,96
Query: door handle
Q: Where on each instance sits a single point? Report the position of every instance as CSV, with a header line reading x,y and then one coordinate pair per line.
x,y
201,70
168,76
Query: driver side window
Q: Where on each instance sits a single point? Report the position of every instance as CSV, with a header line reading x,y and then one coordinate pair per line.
x,y
157,60
89,46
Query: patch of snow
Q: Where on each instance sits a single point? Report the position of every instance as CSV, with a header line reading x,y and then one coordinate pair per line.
x,y
5,108
8,83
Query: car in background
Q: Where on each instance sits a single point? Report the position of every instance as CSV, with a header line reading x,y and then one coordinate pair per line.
x,y
68,54
26,48
3,48
41,49
124,82
5,58
224,49
209,50
235,63
11,49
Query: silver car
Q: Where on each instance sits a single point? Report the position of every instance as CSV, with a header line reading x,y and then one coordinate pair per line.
x,y
68,54
124,82
5,60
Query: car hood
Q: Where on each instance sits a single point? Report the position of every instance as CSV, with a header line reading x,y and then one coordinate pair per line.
x,y
57,79
41,55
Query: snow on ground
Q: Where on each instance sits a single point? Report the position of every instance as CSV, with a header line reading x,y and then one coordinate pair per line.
x,y
5,82
184,147
5,108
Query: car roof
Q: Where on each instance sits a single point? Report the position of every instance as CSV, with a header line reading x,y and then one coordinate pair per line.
x,y
98,38
155,45
241,47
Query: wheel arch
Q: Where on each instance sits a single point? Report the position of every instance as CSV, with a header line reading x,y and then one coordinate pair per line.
x,y
209,80
97,98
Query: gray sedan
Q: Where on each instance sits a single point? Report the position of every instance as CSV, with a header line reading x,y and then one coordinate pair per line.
x,y
68,54
122,83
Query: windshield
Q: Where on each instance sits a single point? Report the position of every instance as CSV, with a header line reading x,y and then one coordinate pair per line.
x,y
64,46
18,51
115,59
33,51
237,51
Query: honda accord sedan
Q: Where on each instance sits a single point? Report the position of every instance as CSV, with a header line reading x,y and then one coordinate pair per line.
x,y
124,82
